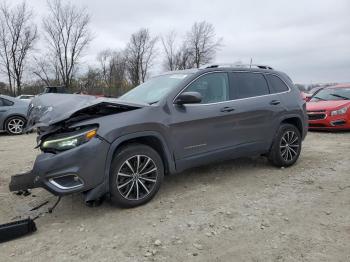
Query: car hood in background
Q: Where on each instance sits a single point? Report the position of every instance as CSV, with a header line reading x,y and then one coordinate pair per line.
x,y
326,105
50,109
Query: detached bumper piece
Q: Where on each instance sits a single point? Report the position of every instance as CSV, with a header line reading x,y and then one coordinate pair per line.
x,y
16,229
23,181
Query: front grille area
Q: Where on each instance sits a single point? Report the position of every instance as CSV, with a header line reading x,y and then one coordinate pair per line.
x,y
316,115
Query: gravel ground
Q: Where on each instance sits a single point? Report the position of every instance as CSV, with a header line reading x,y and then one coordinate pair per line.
x,y
239,210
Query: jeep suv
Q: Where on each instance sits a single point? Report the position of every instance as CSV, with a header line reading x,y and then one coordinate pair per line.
x,y
123,147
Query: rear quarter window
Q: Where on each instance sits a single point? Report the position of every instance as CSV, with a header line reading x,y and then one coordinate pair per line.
x,y
276,84
5,102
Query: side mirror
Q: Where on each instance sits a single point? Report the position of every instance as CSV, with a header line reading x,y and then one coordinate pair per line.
x,y
188,98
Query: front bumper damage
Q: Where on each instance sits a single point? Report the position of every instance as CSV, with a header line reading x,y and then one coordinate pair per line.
x,y
76,170
79,169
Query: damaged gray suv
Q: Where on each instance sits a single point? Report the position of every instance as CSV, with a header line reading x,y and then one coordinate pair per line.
x,y
123,147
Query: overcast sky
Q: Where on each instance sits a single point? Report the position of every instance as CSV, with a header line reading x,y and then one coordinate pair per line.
x,y
309,40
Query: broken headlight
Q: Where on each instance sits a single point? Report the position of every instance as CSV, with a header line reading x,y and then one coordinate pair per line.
x,y
66,141
341,111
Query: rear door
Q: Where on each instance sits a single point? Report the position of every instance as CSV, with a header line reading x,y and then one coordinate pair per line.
x,y
256,109
4,106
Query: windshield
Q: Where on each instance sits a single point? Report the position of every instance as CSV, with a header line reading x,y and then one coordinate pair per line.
x,y
332,94
154,89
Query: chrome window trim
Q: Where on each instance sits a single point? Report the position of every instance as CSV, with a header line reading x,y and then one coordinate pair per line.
x,y
238,99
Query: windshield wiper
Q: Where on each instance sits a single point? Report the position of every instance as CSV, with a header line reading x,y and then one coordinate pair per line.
x,y
151,103
340,96
320,98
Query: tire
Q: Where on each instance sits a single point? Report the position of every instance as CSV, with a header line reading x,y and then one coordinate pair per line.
x,y
136,175
286,146
15,125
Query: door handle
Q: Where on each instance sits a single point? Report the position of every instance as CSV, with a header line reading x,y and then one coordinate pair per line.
x,y
227,109
275,102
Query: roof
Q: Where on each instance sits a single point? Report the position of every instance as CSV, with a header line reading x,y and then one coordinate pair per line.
x,y
344,85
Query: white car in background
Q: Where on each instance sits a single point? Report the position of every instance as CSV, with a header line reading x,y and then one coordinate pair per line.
x,y
26,97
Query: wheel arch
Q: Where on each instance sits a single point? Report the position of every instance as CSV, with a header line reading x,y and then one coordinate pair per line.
x,y
296,121
149,138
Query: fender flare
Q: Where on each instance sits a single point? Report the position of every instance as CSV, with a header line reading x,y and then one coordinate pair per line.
x,y
103,188
116,143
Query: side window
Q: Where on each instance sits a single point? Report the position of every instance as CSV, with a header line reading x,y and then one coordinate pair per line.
x,y
276,84
5,102
248,84
213,87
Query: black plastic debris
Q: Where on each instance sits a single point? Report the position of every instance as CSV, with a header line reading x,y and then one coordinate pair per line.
x,y
16,229
24,227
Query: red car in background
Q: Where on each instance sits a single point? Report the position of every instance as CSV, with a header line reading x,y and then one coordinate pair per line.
x,y
329,108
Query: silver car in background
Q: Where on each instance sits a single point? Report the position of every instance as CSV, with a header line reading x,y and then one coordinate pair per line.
x,y
27,98
13,113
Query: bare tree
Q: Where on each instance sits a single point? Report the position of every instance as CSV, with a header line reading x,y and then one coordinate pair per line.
x,y
183,58
176,58
17,37
113,68
170,50
67,32
46,69
104,59
202,43
140,55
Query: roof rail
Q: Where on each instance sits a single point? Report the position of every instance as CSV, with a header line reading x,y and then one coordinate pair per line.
x,y
238,65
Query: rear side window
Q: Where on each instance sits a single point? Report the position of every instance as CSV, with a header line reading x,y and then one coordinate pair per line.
x,y
213,87
276,84
246,85
5,102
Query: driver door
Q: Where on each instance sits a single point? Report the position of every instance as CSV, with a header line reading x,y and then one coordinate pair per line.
x,y
200,130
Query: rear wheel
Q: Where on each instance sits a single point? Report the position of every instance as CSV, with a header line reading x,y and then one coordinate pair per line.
x,y
136,175
14,125
286,146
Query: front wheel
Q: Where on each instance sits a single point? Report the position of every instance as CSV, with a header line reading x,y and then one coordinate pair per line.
x,y
136,175
286,146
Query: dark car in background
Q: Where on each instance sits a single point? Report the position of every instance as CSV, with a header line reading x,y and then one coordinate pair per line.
x,y
181,119
329,108
13,114
55,89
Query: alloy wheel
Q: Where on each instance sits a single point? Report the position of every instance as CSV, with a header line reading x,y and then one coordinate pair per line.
x,y
15,126
289,145
137,177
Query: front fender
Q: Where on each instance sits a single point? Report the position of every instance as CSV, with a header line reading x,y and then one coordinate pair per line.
x,y
104,187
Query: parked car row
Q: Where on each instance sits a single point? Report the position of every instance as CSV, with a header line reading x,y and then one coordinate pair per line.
x,y
170,123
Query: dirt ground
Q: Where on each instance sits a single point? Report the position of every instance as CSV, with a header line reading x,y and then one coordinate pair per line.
x,y
239,210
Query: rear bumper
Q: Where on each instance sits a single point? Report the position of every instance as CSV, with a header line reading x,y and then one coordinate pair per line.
x,y
71,171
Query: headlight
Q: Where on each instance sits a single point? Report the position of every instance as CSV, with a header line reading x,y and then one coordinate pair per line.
x,y
68,140
341,111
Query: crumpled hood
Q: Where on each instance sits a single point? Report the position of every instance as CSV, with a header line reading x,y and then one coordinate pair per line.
x,y
49,109
326,105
